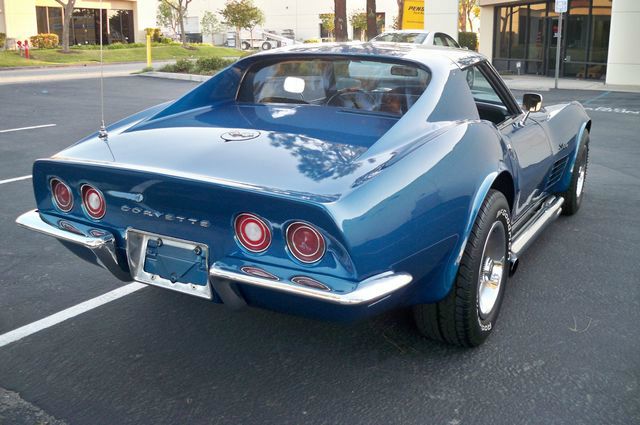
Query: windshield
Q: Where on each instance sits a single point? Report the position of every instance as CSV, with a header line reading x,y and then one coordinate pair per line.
x,y
402,37
365,85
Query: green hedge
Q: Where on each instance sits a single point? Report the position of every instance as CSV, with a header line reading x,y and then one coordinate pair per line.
x,y
44,41
204,66
3,39
468,40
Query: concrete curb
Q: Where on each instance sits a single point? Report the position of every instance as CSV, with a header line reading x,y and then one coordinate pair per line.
x,y
175,76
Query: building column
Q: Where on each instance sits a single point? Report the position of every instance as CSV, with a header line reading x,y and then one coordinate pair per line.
x,y
623,64
485,40
441,16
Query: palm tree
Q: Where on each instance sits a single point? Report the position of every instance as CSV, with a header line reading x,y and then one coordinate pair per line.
x,y
340,31
372,24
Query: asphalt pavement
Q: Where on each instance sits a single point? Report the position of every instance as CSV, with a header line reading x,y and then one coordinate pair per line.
x,y
566,349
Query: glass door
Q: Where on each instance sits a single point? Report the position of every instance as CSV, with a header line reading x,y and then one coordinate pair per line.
x,y
552,43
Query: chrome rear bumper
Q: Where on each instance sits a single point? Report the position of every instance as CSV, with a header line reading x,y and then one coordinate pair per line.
x,y
367,291
103,247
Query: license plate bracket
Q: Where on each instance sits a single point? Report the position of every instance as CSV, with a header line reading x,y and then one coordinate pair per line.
x,y
168,262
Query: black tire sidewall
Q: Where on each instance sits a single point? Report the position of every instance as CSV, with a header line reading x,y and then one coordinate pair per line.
x,y
580,161
481,328
571,198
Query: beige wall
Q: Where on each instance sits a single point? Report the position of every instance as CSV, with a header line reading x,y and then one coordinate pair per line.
x,y
486,31
20,19
623,65
441,16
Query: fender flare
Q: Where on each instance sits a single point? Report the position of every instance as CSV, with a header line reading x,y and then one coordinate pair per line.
x,y
565,181
479,197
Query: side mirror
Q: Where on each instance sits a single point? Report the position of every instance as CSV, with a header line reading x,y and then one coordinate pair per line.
x,y
532,102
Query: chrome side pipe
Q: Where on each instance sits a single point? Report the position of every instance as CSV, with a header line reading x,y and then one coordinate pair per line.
x,y
547,214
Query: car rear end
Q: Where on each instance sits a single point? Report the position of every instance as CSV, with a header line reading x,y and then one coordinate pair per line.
x,y
206,237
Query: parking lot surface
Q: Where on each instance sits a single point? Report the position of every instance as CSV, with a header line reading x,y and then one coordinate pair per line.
x,y
565,349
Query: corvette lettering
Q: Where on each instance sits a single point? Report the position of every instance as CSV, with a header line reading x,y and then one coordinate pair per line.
x,y
163,216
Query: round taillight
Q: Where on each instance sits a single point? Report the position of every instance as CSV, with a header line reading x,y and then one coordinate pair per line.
x,y
305,242
252,232
93,201
62,196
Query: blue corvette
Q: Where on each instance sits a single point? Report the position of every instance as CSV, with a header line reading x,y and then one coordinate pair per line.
x,y
334,181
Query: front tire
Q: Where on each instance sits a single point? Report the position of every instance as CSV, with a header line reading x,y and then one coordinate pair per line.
x,y
467,315
573,196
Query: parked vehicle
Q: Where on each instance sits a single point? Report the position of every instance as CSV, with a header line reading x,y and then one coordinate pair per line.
x,y
428,38
335,182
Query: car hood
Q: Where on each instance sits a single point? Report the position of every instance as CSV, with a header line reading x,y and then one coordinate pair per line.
x,y
299,148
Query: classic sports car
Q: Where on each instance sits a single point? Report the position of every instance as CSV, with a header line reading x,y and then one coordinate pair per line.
x,y
334,181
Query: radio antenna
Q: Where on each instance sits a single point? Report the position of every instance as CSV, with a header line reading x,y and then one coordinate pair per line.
x,y
102,133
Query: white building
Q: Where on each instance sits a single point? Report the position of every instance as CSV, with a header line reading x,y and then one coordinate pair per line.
x,y
598,38
303,17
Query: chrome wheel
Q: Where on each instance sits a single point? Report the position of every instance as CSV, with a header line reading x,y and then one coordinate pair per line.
x,y
580,183
492,268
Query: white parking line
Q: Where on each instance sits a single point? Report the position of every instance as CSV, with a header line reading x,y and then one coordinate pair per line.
x,y
15,179
27,128
70,312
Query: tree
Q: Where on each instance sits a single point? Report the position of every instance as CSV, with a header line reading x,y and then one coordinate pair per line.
x,y
340,21
180,9
468,9
398,21
166,18
372,22
209,23
67,11
358,21
242,14
328,22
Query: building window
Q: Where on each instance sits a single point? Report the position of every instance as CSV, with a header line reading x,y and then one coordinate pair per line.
x,y
120,26
526,35
536,39
49,20
41,19
85,25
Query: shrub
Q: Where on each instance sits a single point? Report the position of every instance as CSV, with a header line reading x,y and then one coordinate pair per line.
x,y
44,41
3,39
312,40
468,40
211,65
155,33
182,65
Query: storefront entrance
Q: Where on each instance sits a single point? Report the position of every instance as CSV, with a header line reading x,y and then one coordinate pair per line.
x,y
525,38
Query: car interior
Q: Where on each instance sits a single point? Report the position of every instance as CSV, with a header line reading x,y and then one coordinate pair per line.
x,y
370,86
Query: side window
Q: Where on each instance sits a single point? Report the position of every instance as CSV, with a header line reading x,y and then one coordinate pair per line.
x,y
481,89
450,41
438,40
490,105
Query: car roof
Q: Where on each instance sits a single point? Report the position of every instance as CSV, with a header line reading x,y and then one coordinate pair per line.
x,y
405,32
408,51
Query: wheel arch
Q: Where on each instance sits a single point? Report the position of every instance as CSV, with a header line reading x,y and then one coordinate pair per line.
x,y
500,180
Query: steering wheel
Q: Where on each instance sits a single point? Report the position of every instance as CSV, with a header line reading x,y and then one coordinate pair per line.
x,y
352,98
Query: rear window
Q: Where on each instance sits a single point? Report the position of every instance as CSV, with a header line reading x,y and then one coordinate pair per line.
x,y
364,85
402,37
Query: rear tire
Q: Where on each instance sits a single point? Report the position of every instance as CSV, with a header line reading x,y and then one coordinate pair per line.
x,y
573,196
467,315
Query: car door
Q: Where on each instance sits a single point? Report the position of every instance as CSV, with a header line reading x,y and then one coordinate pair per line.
x,y
529,147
